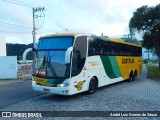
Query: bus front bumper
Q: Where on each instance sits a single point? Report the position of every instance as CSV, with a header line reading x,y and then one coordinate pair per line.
x,y
54,90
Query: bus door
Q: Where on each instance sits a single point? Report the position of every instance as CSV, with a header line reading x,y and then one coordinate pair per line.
x,y
79,52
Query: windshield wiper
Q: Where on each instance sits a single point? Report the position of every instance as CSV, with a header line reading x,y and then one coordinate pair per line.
x,y
50,66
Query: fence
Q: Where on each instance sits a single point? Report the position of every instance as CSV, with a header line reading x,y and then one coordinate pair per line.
x,y
24,71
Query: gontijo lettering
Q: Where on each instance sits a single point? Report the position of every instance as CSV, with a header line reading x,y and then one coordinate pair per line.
x,y
128,60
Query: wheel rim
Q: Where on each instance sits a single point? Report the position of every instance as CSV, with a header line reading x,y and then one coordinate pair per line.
x,y
92,87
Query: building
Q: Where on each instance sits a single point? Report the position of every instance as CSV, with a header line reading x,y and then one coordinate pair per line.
x,y
8,64
2,46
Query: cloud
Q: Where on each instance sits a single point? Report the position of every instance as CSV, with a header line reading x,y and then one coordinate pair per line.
x,y
110,17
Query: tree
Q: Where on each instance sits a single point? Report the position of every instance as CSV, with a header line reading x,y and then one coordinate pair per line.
x,y
146,21
130,40
18,49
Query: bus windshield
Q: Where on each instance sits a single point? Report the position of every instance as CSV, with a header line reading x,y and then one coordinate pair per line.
x,y
49,61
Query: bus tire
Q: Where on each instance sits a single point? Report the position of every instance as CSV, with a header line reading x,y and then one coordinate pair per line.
x,y
130,79
92,86
135,75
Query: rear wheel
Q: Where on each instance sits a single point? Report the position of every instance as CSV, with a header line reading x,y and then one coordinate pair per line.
x,y
131,77
134,76
92,86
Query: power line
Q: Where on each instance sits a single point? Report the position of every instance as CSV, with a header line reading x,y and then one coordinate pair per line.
x,y
12,32
28,4
51,15
56,22
62,26
14,25
17,3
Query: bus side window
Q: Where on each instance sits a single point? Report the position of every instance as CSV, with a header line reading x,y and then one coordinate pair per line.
x,y
79,54
91,51
91,47
76,59
112,52
102,51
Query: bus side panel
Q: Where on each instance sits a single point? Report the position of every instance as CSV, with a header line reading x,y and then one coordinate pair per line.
x,y
128,63
78,83
92,67
95,68
105,68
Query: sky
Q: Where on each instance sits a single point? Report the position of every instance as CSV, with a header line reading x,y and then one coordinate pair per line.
x,y
110,17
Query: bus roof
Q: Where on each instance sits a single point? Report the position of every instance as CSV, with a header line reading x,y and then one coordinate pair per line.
x,y
62,34
105,38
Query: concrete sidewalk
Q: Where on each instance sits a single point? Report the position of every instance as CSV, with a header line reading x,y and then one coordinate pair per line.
x,y
10,81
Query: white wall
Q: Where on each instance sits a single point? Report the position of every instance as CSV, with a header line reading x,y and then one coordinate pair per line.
x,y
8,67
2,46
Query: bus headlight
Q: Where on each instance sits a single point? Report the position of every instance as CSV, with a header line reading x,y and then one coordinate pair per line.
x,y
63,85
34,82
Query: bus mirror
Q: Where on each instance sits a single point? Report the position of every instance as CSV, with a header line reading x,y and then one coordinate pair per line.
x,y
68,55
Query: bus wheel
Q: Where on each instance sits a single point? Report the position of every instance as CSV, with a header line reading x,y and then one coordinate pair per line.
x,y
134,76
130,79
92,86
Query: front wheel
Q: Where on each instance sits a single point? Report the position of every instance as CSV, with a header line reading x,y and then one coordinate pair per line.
x,y
92,86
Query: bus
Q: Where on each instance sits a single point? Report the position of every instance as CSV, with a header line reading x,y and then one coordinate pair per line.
x,y
67,64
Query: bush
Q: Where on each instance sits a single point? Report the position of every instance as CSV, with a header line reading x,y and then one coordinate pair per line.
x,y
145,61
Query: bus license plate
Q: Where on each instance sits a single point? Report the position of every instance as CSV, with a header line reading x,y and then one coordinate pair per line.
x,y
46,90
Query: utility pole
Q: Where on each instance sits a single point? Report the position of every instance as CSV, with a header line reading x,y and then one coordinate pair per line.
x,y
35,16
34,30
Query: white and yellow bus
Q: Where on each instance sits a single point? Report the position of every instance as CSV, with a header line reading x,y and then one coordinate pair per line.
x,y
68,64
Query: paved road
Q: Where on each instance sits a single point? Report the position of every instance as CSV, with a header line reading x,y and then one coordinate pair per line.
x,y
12,92
143,94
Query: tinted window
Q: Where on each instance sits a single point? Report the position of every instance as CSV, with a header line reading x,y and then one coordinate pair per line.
x,y
101,47
79,55
61,42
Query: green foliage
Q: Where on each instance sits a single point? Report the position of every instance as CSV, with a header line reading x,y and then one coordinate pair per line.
x,y
18,49
146,21
136,22
145,61
153,72
135,41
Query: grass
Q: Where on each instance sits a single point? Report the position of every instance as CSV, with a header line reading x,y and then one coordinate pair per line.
x,y
154,72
